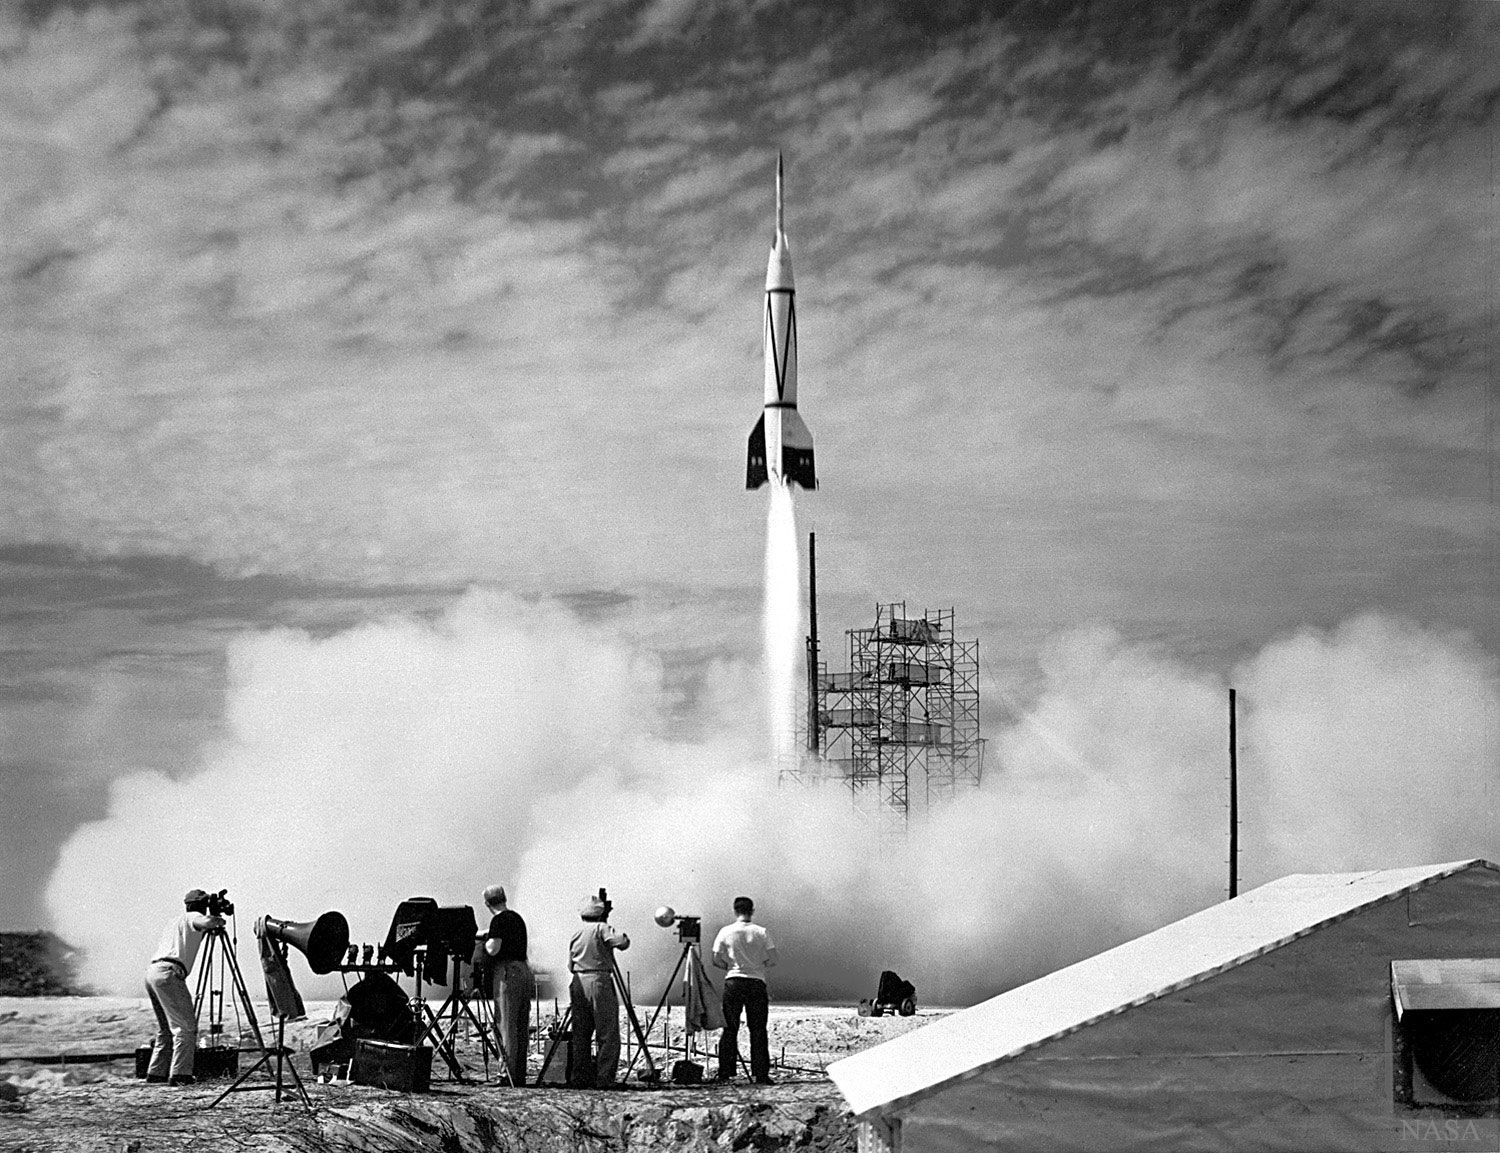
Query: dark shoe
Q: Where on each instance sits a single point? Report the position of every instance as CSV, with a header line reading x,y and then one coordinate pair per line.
x,y
764,1081
155,1079
184,1079
723,1078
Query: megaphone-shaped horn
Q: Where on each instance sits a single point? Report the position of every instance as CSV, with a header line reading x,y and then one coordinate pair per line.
x,y
324,941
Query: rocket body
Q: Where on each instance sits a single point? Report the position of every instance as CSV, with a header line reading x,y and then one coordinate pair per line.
x,y
781,447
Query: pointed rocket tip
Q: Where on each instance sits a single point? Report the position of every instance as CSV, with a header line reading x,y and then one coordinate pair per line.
x,y
780,228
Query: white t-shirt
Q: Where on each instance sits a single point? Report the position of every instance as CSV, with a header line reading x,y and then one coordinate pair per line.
x,y
746,949
181,938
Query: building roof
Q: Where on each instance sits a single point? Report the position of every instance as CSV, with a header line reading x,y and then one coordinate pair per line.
x,y
1171,958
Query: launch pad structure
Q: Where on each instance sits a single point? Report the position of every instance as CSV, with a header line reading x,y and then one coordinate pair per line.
x,y
900,726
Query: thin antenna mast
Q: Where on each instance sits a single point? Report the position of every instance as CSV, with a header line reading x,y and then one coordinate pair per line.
x,y
814,736
1234,802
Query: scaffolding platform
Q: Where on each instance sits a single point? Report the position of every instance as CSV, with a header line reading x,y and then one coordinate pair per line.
x,y
900,727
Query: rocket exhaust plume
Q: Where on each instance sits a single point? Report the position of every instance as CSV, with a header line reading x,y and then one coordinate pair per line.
x,y
783,616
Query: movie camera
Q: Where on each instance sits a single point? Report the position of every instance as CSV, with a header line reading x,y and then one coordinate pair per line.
x,y
688,928
219,904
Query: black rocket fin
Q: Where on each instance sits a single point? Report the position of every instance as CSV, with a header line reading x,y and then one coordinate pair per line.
x,y
755,464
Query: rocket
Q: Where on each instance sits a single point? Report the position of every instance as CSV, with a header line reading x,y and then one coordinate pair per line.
x,y
781,447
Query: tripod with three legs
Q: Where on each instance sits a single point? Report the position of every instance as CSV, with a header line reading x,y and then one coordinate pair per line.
x,y
218,960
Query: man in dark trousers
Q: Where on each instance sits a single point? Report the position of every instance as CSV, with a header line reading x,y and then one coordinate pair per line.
x,y
592,999
511,983
746,951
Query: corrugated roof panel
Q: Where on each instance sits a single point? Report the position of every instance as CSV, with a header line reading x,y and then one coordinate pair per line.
x,y
1171,958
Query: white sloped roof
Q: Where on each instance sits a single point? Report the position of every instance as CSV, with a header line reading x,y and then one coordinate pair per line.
x,y
1171,958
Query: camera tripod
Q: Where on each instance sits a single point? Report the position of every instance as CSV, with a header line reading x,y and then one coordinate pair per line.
x,y
441,1027
696,990
218,945
622,991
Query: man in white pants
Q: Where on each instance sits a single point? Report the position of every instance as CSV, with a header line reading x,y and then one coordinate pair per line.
x,y
166,985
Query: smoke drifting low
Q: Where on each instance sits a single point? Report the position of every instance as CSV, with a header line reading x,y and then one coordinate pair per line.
x,y
509,742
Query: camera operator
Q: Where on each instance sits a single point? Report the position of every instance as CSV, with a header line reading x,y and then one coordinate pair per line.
x,y
511,984
595,1007
166,986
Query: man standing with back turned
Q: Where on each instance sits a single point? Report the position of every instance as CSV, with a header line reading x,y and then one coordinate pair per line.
x,y
512,983
596,1009
166,986
746,950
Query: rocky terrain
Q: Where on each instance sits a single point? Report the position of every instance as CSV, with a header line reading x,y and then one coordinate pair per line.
x,y
68,1095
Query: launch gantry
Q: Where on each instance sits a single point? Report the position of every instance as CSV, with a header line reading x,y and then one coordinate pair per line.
x,y
900,727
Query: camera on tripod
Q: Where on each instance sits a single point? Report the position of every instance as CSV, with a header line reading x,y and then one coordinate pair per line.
x,y
688,928
219,904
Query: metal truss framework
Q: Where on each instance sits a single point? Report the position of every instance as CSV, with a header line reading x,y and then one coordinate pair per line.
x,y
900,728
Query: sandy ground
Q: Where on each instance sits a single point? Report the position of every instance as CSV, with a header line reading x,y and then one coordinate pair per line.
x,y
94,1104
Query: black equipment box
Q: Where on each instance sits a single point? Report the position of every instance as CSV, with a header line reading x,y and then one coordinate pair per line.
x,y
219,1061
687,1073
387,1066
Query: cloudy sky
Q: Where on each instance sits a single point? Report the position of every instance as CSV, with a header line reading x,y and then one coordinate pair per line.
x,y
1172,319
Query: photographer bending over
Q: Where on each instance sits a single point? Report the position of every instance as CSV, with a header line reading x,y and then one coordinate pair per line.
x,y
166,985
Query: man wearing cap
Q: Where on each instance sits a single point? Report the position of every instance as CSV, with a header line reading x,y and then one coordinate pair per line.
x,y
511,983
166,986
591,994
746,950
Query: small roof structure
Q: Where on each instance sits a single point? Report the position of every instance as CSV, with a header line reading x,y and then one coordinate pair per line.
x,y
1171,958
1466,983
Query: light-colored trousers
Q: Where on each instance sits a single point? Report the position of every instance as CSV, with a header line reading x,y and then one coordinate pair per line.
x,y
514,987
176,1023
596,1013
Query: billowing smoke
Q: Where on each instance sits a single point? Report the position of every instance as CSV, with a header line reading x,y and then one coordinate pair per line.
x,y
509,742
783,618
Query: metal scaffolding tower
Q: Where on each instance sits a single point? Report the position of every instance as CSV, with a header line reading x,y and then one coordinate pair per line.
x,y
901,726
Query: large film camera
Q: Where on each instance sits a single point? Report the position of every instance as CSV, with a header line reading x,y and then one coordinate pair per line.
x,y
442,930
219,904
688,928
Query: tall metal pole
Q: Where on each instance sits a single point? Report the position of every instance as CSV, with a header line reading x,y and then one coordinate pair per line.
x,y
814,737
1234,803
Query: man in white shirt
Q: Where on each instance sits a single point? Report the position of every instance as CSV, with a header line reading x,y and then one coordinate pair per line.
x,y
745,950
166,986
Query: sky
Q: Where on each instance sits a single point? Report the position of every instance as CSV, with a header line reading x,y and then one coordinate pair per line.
x,y
1157,341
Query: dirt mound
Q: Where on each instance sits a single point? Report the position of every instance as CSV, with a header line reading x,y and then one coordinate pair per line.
x,y
37,965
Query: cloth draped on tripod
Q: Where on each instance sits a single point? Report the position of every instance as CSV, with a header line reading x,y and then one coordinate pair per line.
x,y
702,1008
281,990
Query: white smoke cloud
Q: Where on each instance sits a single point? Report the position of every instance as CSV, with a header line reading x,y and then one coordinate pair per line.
x,y
1374,744
508,742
